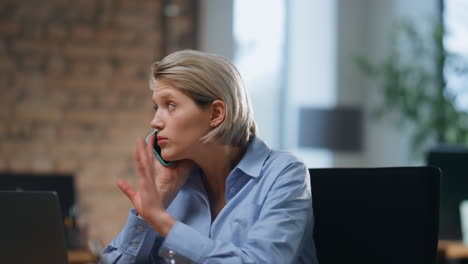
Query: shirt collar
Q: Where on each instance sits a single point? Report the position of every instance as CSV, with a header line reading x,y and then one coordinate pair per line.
x,y
251,163
254,158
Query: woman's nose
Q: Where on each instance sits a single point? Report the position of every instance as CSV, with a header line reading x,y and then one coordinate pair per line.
x,y
157,122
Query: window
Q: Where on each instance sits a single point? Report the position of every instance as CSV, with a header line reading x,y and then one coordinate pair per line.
x,y
456,43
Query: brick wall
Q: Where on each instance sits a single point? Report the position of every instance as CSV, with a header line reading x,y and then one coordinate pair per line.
x,y
74,92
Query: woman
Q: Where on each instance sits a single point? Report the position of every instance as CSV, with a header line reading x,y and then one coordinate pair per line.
x,y
227,197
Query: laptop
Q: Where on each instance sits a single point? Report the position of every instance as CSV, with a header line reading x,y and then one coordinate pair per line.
x,y
31,228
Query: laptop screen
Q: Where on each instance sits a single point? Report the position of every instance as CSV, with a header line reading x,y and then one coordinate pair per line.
x,y
31,228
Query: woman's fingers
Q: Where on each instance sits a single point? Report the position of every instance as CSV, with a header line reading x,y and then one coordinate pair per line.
x,y
140,166
150,155
145,159
127,189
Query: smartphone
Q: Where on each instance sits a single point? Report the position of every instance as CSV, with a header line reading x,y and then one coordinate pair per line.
x,y
157,149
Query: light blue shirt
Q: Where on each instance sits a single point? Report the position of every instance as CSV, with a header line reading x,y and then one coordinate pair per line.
x,y
267,218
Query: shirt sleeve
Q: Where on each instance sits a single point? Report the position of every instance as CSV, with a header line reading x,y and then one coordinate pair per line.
x,y
134,244
276,237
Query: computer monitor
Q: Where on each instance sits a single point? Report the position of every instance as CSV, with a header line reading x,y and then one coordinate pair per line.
x,y
63,185
453,161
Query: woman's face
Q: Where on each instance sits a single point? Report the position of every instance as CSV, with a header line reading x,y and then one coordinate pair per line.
x,y
179,120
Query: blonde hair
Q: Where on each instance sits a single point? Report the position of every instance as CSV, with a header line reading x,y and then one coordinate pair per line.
x,y
205,78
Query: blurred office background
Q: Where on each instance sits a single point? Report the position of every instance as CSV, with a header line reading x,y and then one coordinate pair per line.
x,y
74,92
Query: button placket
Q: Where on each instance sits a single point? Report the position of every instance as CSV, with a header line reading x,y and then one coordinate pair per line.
x,y
140,228
172,256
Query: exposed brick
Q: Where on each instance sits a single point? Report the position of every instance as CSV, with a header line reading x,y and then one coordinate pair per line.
x,y
8,28
57,32
33,47
130,85
88,5
106,19
93,51
113,35
134,119
82,68
58,100
135,22
7,64
184,25
109,101
38,112
3,132
101,174
104,69
5,112
66,165
85,101
42,164
19,131
127,135
128,70
33,11
74,94
51,82
74,148
152,41
57,65
135,54
32,63
82,33
9,147
8,96
108,204
84,84
32,31
45,132
3,164
3,49
20,164
87,116
129,5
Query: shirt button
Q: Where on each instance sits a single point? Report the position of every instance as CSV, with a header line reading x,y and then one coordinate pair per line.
x,y
134,245
140,228
232,190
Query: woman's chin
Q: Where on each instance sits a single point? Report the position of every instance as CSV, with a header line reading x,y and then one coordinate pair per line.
x,y
167,156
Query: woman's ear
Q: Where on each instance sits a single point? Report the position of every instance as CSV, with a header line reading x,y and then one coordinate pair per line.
x,y
218,112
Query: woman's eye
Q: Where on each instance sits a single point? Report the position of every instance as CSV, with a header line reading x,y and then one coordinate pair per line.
x,y
170,106
155,108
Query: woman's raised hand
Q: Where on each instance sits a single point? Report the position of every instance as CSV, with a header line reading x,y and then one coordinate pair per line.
x,y
158,185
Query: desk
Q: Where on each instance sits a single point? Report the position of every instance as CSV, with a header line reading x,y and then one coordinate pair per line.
x,y
81,257
453,251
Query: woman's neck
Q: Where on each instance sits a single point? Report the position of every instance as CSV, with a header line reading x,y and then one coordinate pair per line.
x,y
216,162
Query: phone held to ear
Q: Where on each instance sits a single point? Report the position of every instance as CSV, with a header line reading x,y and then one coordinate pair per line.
x,y
157,149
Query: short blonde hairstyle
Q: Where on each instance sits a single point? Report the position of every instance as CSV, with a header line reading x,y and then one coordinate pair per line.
x,y
205,78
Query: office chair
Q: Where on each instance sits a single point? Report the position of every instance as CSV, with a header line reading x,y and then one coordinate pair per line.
x,y
452,160
376,215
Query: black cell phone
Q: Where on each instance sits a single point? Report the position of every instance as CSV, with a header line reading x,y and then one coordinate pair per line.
x,y
157,149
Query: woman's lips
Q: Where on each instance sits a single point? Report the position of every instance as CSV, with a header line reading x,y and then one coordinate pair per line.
x,y
162,141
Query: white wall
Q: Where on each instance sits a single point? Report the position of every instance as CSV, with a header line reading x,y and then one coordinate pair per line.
x,y
323,38
364,28
216,26
311,71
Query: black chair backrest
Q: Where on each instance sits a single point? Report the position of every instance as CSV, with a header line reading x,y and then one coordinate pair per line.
x,y
452,160
376,215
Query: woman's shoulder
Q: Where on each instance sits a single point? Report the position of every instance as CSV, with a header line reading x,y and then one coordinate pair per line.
x,y
282,162
272,162
285,158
